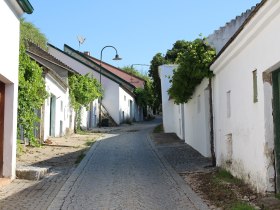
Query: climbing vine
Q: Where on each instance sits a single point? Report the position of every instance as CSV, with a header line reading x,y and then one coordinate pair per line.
x,y
31,89
82,89
31,95
194,63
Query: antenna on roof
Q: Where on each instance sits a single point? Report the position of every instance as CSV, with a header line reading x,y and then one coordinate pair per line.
x,y
81,40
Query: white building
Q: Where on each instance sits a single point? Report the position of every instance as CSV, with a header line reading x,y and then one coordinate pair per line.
x,y
10,12
190,121
246,97
57,115
245,101
118,99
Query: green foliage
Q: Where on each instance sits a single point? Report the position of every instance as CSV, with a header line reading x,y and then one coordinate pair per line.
x,y
31,95
144,97
82,89
241,206
29,32
179,47
226,176
133,71
194,63
20,147
157,60
158,129
31,90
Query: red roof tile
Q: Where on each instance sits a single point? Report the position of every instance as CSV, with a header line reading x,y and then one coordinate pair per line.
x,y
133,80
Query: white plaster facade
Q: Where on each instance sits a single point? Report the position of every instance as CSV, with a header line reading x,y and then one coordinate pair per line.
x,y
63,113
172,113
190,121
114,94
244,136
10,13
197,119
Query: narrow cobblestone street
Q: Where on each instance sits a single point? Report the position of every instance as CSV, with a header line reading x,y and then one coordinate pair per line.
x,y
122,171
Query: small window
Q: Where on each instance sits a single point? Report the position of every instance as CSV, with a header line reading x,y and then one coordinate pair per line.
x,y
228,105
198,104
124,98
61,106
255,87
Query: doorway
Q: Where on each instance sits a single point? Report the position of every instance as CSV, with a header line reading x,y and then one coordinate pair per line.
x,y
2,102
276,116
52,115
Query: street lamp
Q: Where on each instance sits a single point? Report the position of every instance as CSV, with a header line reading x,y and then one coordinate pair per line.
x,y
100,69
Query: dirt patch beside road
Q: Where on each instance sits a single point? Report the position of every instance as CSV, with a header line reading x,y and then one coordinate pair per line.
x,y
63,151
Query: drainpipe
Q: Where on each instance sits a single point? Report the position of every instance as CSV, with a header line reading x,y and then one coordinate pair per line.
x,y
212,147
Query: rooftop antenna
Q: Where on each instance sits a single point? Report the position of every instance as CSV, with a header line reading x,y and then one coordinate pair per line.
x,y
81,40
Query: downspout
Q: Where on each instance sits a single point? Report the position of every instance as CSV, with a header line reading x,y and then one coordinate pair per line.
x,y
212,147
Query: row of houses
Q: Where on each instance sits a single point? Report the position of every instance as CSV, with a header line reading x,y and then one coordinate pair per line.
x,y
118,104
240,105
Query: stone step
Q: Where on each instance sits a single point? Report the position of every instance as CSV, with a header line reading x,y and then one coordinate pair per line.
x,y
31,172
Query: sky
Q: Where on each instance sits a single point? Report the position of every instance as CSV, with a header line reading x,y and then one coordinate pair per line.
x,y
137,29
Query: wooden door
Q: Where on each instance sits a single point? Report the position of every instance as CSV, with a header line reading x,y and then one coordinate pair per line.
x,y
2,102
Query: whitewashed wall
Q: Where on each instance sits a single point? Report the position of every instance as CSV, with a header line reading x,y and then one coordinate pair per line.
x,y
197,120
62,109
125,101
244,129
111,88
9,53
168,106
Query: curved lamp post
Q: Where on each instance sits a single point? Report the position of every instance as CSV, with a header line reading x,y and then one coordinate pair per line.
x,y
117,57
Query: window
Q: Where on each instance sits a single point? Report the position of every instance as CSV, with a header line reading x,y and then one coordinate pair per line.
x,y
255,87
228,105
198,104
61,106
124,98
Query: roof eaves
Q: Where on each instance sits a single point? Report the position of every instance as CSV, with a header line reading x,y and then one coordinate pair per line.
x,y
119,69
55,63
25,6
253,13
90,60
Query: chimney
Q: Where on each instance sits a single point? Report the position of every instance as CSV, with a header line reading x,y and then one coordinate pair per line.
x,y
87,53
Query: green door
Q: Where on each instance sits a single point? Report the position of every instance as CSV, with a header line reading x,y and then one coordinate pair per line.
x,y
276,116
52,115
2,102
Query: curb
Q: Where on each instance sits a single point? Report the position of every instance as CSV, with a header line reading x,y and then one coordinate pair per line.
x,y
193,197
59,199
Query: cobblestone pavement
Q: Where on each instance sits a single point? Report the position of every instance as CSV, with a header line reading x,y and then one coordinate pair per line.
x,y
181,156
124,171
24,194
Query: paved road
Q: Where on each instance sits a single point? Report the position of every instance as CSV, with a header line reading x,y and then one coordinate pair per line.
x,y
126,172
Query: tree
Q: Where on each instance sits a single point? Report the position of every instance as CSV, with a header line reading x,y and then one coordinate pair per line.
x,y
193,66
157,60
31,90
133,71
144,96
83,90
179,46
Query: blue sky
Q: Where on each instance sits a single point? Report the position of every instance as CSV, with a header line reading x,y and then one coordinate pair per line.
x,y
138,29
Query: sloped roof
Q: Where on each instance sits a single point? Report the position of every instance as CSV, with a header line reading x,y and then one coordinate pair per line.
x,y
83,58
130,78
240,29
35,49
